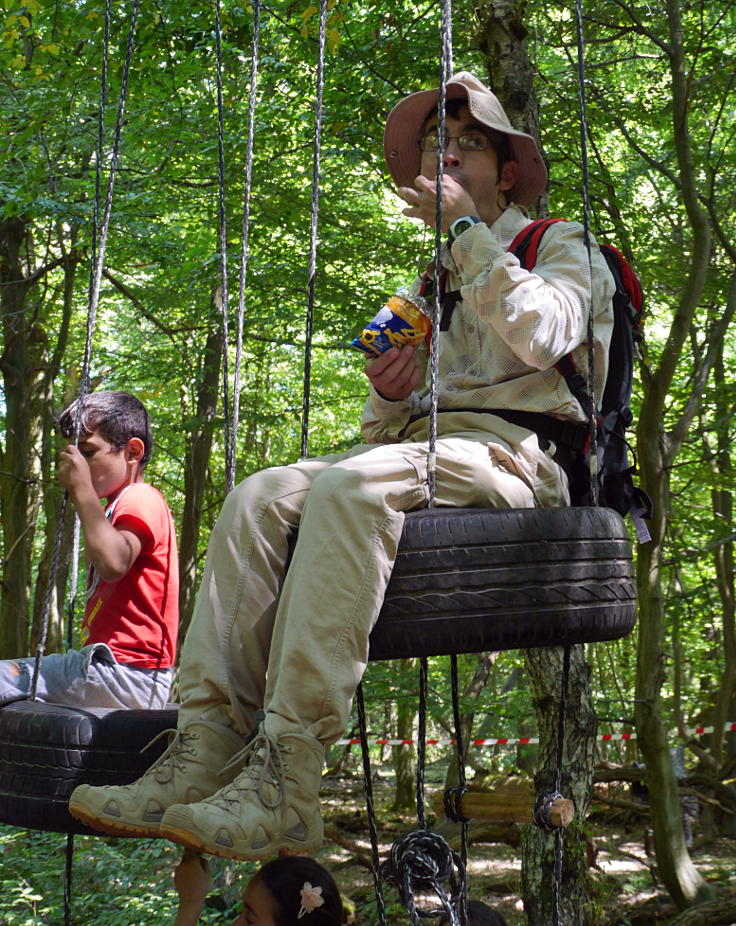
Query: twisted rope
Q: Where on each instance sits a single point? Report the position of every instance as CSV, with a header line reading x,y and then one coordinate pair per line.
x,y
434,349
420,862
224,295
543,804
244,252
592,423
461,788
99,248
73,582
68,862
312,267
372,828
421,744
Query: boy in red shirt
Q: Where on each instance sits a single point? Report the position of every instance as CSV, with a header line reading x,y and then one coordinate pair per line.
x,y
131,619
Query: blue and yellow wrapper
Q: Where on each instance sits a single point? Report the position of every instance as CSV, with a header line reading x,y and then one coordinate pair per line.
x,y
403,320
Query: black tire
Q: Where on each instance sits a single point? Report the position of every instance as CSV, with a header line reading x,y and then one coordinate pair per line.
x,y
465,580
46,750
469,580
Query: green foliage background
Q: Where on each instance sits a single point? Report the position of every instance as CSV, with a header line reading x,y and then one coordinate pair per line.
x,y
163,262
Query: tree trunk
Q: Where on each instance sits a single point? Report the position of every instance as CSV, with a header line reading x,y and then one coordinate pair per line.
x,y
61,598
722,500
403,756
475,688
657,452
502,37
17,482
195,472
538,846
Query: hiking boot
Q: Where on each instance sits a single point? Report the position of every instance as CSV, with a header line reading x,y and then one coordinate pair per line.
x,y
196,763
273,804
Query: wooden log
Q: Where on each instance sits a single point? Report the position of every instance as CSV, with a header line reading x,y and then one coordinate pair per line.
x,y
510,802
720,912
483,831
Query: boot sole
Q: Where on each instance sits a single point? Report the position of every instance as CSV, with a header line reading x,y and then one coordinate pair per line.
x,y
192,841
111,827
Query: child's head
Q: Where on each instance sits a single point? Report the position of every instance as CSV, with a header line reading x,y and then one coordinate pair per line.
x,y
290,889
116,416
480,914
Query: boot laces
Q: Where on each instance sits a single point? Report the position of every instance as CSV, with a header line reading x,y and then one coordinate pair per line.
x,y
263,771
180,746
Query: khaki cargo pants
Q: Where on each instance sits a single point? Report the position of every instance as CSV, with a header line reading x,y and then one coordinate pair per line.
x,y
296,644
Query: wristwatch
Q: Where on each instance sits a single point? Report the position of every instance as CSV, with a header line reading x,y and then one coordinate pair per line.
x,y
462,224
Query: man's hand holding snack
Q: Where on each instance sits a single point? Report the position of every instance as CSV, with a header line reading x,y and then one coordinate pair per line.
x,y
395,374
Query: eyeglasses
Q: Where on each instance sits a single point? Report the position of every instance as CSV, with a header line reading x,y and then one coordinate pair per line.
x,y
472,141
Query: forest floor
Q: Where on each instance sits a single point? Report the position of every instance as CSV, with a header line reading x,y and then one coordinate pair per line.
x,y
128,882
626,888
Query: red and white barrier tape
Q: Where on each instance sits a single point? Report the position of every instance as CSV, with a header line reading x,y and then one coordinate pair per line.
x,y
519,741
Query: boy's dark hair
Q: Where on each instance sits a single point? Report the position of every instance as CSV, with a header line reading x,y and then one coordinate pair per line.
x,y
286,876
501,143
480,914
117,415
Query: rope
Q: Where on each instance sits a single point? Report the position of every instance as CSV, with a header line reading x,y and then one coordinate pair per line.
x,y
419,862
312,267
99,241
434,350
73,582
421,745
69,859
592,424
372,828
244,253
105,225
461,788
543,805
422,860
222,213
560,834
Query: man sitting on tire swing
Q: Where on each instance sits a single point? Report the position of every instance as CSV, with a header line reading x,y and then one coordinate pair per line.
x,y
296,645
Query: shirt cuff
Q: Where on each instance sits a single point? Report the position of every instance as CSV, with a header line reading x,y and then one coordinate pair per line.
x,y
390,409
474,252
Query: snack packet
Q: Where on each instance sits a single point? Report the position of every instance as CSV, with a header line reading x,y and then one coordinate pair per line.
x,y
403,320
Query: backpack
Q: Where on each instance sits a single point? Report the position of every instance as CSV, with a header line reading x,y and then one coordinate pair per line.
x,y
616,487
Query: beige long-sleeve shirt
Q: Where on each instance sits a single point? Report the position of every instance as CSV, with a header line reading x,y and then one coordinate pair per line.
x,y
510,327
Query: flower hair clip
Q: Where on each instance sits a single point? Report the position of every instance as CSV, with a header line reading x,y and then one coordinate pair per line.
x,y
311,899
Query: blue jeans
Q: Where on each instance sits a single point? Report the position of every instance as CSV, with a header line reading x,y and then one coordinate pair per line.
x,y
89,677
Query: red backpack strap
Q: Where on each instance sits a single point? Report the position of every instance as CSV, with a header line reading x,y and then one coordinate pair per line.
x,y
526,244
629,279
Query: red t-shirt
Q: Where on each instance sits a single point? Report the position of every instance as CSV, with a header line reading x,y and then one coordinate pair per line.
x,y
138,616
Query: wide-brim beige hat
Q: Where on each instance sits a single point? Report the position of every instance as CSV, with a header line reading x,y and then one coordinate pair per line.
x,y
404,126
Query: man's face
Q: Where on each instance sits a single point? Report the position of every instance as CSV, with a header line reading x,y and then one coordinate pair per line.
x,y
476,171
